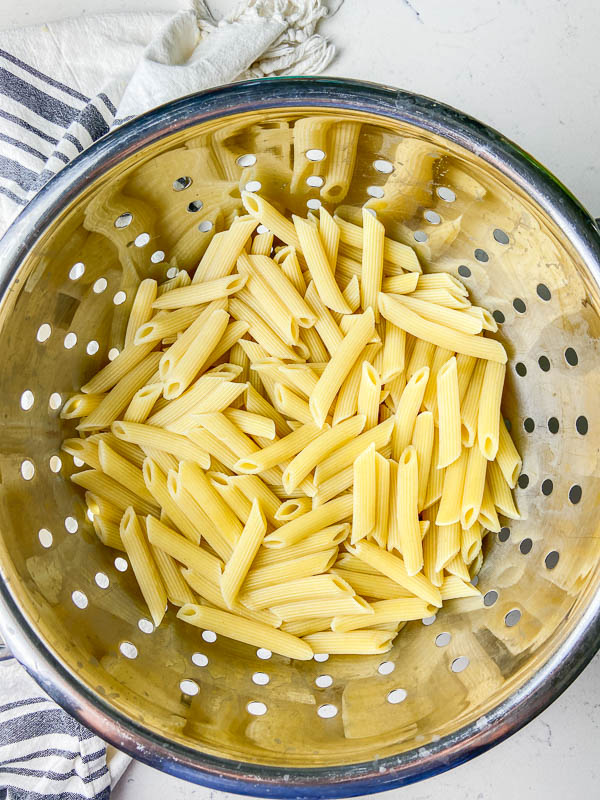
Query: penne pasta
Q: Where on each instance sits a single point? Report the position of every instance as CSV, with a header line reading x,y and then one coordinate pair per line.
x,y
243,554
449,414
450,506
364,498
318,265
373,238
488,419
245,630
351,643
344,457
406,508
328,514
384,611
474,486
382,500
422,440
143,565
369,394
199,293
407,410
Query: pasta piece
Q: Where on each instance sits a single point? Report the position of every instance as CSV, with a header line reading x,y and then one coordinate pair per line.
x,y
303,377
257,404
317,542
440,357
449,414
320,270
326,442
328,514
198,293
364,509
156,481
488,323
443,280
248,631
164,461
291,405
345,456
235,499
180,346
194,359
209,588
117,494
151,436
448,544
352,643
382,500
128,450
83,449
194,481
430,549
163,325
442,297
278,451
129,358
373,234
369,393
393,566
474,485
253,487
488,518
142,403
469,409
80,405
394,350
315,587
181,279
449,317
464,367
408,515
393,252
304,627
310,608
435,483
220,397
393,535
452,494
261,331
219,540
437,334
384,611
421,356
351,294
178,591
100,506
292,509
250,423
333,486
339,366
223,257
453,588
243,555
422,440
507,457
120,395
281,571
272,219
400,284
262,244
325,325
347,400
407,410
264,301
378,587
143,566
182,550
285,290
470,543
108,533
457,566
120,470
500,491
488,419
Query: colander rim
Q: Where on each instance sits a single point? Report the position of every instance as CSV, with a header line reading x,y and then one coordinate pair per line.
x,y
551,679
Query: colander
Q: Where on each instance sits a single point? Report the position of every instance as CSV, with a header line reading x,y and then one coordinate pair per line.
x,y
146,200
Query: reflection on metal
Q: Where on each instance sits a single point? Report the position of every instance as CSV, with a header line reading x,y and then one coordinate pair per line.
x,y
123,211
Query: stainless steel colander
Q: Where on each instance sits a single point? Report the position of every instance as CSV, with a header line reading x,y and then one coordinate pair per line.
x,y
146,200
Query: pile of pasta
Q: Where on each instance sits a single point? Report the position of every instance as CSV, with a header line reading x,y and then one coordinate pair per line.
x,y
300,446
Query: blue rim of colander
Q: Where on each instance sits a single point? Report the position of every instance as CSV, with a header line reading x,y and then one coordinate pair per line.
x,y
347,780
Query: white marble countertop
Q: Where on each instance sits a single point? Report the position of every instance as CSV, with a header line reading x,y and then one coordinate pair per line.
x,y
529,68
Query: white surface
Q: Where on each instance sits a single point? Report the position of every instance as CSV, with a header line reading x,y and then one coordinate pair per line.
x,y
530,69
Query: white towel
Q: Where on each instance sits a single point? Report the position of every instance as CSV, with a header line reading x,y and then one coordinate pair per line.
x,y
62,86
65,84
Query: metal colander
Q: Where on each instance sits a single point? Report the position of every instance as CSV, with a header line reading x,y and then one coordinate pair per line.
x,y
145,201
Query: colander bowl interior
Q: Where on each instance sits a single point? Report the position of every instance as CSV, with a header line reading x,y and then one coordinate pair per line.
x,y
145,201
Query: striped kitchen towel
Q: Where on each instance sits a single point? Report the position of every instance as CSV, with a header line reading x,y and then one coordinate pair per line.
x,y
63,85
45,753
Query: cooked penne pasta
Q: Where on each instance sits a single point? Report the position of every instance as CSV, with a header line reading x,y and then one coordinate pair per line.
x,y
325,326
373,238
407,410
507,456
328,514
470,543
143,565
448,544
343,457
181,549
369,394
488,419
346,404
262,244
353,642
245,630
394,610
318,265
449,414
500,491
142,403
382,500
281,571
422,440
178,591
450,507
407,510
394,350
243,555
364,509
120,496
222,258
80,405
393,252
474,486
458,341
198,293
151,436
315,587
